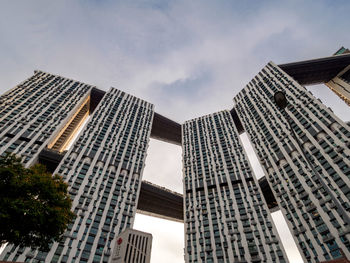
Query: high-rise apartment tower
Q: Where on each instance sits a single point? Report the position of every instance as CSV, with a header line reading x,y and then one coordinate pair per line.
x,y
103,169
226,217
35,111
319,228
341,85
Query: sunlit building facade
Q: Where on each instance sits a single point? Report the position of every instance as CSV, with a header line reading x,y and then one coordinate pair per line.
x,y
319,228
341,85
226,218
36,110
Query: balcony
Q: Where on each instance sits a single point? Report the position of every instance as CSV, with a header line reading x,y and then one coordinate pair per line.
x,y
302,229
332,205
272,240
310,208
299,204
247,230
344,231
30,254
256,259
208,249
253,250
328,238
325,200
240,261
303,195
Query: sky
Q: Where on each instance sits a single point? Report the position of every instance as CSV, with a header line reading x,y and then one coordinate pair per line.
x,y
188,58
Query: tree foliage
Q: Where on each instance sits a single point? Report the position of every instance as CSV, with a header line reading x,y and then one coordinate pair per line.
x,y
34,205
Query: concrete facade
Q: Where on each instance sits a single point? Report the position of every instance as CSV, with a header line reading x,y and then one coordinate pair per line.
x,y
35,111
104,167
226,217
104,171
319,228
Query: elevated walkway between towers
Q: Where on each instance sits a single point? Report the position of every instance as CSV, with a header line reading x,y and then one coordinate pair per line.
x,y
156,200
160,202
316,71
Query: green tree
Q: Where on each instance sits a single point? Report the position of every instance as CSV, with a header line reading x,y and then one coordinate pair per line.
x,y
34,205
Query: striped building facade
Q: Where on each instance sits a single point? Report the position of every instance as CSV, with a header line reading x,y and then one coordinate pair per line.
x,y
103,169
226,217
34,112
319,228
